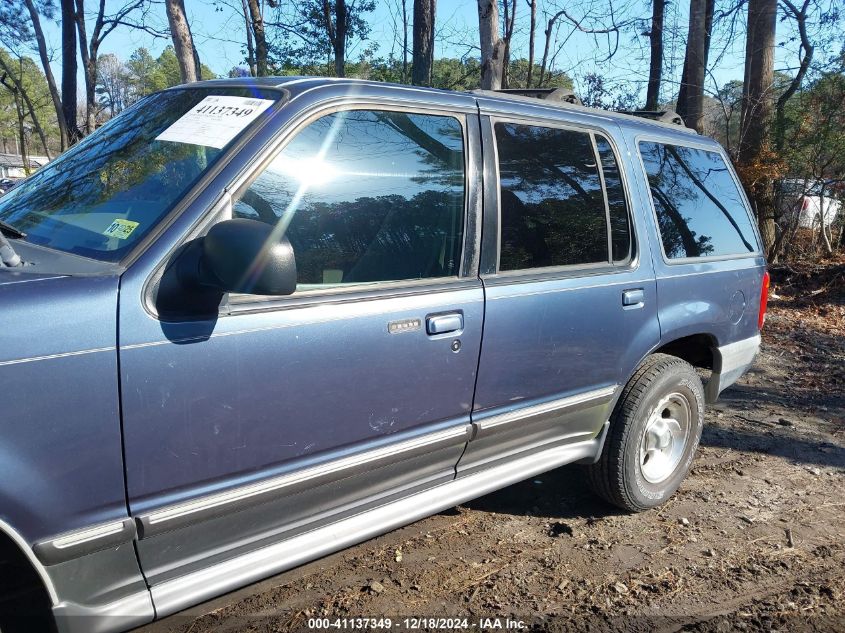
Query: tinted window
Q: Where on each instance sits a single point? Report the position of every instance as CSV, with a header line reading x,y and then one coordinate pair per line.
x,y
552,205
699,207
102,196
367,196
620,229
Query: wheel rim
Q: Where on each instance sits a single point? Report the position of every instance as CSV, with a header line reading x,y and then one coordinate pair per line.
x,y
665,438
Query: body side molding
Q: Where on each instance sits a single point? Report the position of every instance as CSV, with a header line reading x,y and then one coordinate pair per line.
x,y
179,593
85,541
561,405
91,539
172,517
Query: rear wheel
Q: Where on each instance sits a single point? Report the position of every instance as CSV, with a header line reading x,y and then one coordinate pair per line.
x,y
653,435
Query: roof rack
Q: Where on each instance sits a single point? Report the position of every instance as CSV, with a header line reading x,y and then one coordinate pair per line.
x,y
665,116
565,95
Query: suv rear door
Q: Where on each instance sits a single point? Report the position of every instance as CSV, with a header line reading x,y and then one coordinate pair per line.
x,y
282,413
570,291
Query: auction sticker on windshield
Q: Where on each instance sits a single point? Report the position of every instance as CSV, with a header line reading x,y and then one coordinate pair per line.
x,y
215,121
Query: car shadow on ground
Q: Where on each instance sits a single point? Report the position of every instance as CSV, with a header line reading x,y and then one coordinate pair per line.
x,y
563,493
558,494
777,442
799,400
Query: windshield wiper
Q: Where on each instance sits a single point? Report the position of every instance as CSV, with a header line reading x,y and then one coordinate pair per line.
x,y
11,231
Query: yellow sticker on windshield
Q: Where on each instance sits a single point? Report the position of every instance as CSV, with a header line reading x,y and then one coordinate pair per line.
x,y
121,229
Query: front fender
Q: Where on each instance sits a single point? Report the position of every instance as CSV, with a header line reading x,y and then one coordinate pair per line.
x,y
61,465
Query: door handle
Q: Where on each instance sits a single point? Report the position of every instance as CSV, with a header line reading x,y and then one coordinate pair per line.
x,y
633,298
444,323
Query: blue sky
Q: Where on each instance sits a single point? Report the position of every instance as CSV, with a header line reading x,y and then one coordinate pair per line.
x,y
218,31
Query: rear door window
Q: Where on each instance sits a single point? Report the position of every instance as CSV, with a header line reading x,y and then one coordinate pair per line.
x,y
562,198
700,210
366,196
552,207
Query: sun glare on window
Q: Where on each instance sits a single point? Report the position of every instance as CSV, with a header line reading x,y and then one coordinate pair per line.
x,y
308,171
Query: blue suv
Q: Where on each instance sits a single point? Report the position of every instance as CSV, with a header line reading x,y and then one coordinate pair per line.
x,y
250,322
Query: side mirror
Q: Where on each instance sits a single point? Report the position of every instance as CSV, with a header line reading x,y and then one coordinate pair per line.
x,y
245,256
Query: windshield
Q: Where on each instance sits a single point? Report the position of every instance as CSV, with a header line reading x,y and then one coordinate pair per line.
x,y
105,194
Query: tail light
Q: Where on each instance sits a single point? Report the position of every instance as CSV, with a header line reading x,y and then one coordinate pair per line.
x,y
805,204
764,301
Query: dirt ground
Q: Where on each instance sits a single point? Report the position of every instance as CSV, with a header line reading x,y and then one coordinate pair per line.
x,y
754,540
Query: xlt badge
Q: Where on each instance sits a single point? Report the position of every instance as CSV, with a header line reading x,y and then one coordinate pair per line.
x,y
405,325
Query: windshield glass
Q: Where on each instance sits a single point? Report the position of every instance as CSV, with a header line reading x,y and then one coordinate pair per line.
x,y
104,195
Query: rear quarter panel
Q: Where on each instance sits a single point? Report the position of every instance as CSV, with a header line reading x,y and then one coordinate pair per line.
x,y
719,297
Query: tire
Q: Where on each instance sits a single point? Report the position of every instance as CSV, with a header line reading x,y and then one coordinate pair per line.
x,y
654,433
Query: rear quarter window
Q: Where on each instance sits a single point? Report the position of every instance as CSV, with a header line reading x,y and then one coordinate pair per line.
x,y
699,207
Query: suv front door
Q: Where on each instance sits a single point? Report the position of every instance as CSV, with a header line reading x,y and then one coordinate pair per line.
x,y
283,413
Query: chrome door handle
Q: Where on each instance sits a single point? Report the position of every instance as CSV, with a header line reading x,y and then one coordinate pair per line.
x,y
633,298
444,323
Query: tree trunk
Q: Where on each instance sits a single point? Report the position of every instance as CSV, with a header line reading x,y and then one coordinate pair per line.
x,y
89,68
36,123
341,25
21,133
548,33
69,71
18,91
691,96
757,114
655,69
531,35
183,41
825,227
90,72
423,42
491,45
48,72
404,41
510,19
800,17
260,38
250,43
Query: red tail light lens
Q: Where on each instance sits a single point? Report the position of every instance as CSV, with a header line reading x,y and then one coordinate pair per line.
x,y
805,204
764,301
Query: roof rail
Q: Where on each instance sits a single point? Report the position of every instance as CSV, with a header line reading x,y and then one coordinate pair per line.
x,y
548,94
665,116
565,98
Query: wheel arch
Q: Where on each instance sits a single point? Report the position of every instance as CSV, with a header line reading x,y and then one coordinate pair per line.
x,y
699,350
10,538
